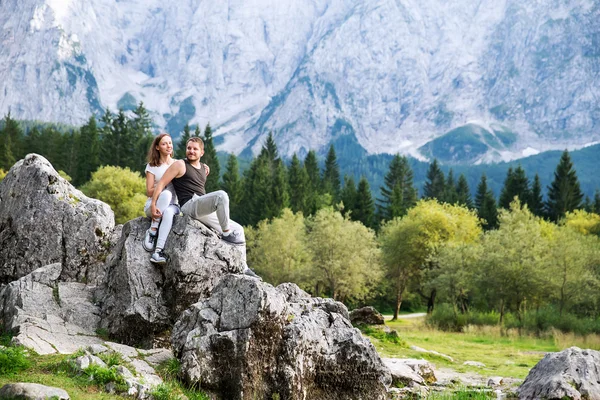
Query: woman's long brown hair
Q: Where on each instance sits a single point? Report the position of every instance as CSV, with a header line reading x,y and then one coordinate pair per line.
x,y
153,154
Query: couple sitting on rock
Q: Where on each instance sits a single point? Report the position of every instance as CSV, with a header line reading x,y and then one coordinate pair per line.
x,y
169,180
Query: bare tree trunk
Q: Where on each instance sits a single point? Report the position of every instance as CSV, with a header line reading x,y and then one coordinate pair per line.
x,y
501,312
431,301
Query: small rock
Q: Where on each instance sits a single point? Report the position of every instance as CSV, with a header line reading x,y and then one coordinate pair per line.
x,y
84,362
96,349
474,364
495,381
124,372
366,316
435,353
32,391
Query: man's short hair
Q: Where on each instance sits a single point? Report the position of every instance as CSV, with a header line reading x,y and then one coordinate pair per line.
x,y
196,139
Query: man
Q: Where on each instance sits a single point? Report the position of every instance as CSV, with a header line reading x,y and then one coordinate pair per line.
x,y
212,209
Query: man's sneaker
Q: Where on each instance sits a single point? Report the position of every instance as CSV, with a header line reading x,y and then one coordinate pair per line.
x,y
251,274
233,238
158,258
149,240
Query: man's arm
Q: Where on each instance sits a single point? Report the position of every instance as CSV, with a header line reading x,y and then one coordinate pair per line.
x,y
176,170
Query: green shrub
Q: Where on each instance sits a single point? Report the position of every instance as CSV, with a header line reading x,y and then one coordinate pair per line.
x,y
122,189
169,369
102,375
444,318
165,391
12,360
112,358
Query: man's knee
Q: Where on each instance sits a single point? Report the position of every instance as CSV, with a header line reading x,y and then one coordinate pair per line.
x,y
222,196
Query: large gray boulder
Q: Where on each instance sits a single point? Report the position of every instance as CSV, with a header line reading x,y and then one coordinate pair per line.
x,y
251,340
45,220
570,374
47,315
141,299
32,391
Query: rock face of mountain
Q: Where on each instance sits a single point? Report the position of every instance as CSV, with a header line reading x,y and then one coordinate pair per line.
x,y
513,78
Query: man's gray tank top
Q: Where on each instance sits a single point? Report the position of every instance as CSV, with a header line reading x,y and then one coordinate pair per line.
x,y
190,183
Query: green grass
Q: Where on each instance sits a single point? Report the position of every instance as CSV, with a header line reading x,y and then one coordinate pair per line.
x,y
507,355
462,394
46,370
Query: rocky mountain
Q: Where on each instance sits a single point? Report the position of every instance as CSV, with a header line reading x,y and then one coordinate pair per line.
x,y
463,81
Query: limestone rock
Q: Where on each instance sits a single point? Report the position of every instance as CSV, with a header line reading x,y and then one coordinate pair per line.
x,y
141,299
367,316
47,315
570,374
251,339
402,374
45,220
435,353
495,381
474,364
33,391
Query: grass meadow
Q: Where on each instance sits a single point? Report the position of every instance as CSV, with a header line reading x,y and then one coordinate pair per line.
x,y
504,352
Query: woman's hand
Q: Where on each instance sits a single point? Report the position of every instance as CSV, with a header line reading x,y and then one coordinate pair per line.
x,y
207,169
156,214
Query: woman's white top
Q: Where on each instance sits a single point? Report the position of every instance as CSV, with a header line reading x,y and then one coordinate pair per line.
x,y
158,173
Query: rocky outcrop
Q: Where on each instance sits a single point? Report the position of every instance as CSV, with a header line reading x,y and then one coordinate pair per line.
x,y
45,220
570,374
32,391
141,299
47,315
366,316
251,340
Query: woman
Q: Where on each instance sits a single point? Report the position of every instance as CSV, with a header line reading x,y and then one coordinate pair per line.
x,y
159,160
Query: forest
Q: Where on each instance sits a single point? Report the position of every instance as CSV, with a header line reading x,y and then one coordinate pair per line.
x,y
527,259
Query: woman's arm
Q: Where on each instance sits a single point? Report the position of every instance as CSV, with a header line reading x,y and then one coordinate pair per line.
x,y
149,184
206,168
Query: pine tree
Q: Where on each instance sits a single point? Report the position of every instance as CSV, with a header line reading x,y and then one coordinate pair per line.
x,y
210,158
299,186
587,204
536,202
7,158
124,152
182,143
463,193
34,142
266,187
197,132
564,193
398,194
140,130
515,184
13,130
450,194
485,203
311,166
88,153
435,185
364,206
234,186
331,175
107,139
348,195
597,202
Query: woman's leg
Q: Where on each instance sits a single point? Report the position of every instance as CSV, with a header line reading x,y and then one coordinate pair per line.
x,y
165,226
